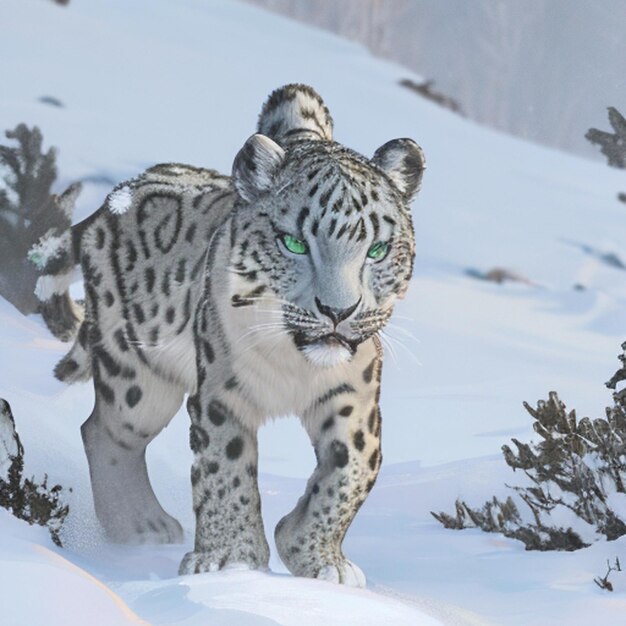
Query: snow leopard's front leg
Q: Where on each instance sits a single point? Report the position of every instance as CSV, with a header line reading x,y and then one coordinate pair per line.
x,y
226,501
344,426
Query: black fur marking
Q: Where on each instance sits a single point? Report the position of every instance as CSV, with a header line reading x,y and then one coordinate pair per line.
x,y
373,462
212,467
180,271
69,367
191,233
315,227
342,230
315,489
234,448
111,366
359,440
186,312
199,265
346,411
131,255
328,423
238,301
144,243
372,420
154,335
193,406
335,391
231,383
139,314
133,396
208,351
165,282
389,220
304,213
170,314
196,475
363,234
333,225
82,335
313,190
217,412
375,224
339,452
99,238
198,438
368,372
166,235
325,197
150,278
105,392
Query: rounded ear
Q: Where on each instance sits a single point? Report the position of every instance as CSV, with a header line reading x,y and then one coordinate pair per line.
x,y
255,165
403,161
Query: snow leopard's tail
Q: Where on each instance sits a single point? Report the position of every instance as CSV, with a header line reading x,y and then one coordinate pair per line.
x,y
295,112
56,255
76,364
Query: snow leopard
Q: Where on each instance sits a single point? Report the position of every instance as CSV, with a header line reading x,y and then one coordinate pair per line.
x,y
256,295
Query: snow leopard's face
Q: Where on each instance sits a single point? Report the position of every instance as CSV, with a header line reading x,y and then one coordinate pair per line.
x,y
329,237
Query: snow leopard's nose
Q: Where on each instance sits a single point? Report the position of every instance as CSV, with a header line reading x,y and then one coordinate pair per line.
x,y
336,315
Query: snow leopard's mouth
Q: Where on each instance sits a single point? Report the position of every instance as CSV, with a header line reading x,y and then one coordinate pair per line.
x,y
329,340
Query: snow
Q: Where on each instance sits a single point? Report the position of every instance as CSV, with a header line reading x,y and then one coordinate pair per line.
x,y
185,83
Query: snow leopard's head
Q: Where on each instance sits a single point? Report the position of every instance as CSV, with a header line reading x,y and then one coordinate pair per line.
x,y
321,231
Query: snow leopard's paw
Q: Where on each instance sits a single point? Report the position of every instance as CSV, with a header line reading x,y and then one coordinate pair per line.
x,y
345,573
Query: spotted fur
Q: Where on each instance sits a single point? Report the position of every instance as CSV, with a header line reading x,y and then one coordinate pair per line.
x,y
190,288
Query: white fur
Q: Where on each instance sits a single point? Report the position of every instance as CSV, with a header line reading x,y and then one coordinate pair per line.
x,y
326,356
51,284
120,200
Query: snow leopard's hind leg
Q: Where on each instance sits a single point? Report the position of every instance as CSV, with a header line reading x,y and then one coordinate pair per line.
x,y
344,426
132,406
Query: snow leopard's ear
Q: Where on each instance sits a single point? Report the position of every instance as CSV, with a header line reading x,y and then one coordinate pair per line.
x,y
255,166
403,161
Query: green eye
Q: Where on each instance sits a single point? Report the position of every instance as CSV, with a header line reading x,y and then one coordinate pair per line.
x,y
297,246
378,251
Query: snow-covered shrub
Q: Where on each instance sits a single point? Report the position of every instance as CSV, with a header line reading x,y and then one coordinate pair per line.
x,y
612,145
577,473
34,226
31,501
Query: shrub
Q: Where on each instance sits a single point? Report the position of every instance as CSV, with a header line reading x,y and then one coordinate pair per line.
x,y
578,465
34,502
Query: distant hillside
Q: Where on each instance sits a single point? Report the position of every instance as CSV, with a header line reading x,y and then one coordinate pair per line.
x,y
538,69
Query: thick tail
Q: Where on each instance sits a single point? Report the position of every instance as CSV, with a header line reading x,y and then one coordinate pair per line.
x,y
295,112
54,257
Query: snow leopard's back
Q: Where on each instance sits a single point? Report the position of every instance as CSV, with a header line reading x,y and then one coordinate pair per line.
x,y
143,255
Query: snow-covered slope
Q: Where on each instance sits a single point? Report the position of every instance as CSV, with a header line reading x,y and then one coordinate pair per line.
x,y
184,81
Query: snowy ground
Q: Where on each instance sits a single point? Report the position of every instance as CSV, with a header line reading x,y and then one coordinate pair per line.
x,y
185,82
